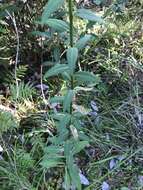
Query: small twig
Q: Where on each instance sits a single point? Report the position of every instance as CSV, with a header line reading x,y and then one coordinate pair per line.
x,y
41,83
41,73
12,17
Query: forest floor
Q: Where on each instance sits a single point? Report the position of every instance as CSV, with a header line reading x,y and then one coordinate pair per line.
x,y
113,109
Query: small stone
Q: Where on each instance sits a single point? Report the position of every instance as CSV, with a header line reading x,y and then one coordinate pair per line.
x,y
1,149
105,186
83,179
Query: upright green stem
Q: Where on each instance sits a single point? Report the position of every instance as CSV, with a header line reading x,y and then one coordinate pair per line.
x,y
70,4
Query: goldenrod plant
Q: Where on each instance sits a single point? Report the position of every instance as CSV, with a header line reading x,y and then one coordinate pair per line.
x,y
70,139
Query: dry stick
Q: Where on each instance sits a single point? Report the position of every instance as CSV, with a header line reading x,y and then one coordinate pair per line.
x,y
41,74
17,51
41,82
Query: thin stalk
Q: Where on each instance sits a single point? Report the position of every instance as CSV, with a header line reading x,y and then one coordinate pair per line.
x,y
70,5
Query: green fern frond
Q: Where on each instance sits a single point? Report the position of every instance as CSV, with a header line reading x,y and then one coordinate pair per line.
x,y
25,92
7,122
20,74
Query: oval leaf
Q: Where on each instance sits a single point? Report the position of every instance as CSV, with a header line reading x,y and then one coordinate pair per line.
x,y
56,99
68,100
72,55
42,34
81,43
50,163
89,15
73,172
51,7
86,77
67,181
79,145
58,25
57,69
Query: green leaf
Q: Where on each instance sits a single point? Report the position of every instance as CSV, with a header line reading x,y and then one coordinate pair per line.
x,y
89,15
57,69
97,2
72,55
76,120
68,145
56,24
56,99
86,77
51,7
73,172
58,140
79,145
68,100
67,183
53,149
124,188
64,122
42,34
49,163
66,76
81,43
84,137
60,116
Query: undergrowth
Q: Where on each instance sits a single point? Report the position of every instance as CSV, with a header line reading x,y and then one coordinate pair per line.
x,y
71,114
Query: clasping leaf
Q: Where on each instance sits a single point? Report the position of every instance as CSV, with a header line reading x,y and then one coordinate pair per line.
x,y
51,7
56,24
81,43
68,100
86,77
72,55
55,70
89,15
